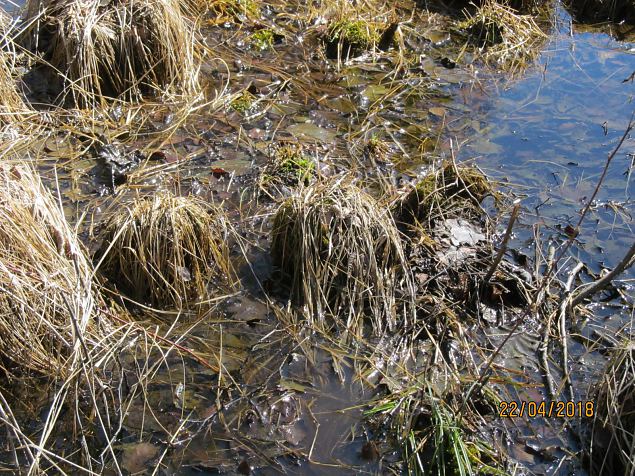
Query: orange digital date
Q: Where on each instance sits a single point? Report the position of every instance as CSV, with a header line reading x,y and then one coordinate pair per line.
x,y
531,409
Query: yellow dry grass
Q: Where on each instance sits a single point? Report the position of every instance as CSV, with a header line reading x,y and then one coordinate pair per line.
x,y
48,305
11,103
343,258
115,48
167,250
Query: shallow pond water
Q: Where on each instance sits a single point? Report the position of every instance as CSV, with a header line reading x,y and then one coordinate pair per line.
x,y
548,136
545,134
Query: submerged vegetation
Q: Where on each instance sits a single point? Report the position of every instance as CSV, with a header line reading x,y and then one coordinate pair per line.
x,y
294,164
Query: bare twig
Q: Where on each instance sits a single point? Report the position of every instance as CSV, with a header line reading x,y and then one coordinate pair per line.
x,y
503,246
563,328
596,286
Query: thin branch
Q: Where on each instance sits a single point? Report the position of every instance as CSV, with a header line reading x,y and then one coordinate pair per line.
x,y
503,247
596,286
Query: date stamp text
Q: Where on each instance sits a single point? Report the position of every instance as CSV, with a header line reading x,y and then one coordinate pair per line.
x,y
559,409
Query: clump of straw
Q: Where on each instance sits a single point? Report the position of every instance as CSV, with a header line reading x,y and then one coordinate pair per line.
x,y
446,192
116,48
11,103
167,250
613,438
506,38
47,303
342,254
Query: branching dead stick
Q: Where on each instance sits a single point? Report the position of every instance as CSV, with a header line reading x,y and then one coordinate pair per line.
x,y
551,269
564,306
503,246
594,287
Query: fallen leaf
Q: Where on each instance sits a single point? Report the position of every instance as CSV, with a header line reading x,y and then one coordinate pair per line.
x,y
218,172
137,455
438,111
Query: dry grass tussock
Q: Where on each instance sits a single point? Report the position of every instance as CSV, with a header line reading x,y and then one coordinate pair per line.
x,y
447,191
613,439
47,301
342,253
167,250
226,10
11,103
115,48
505,38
